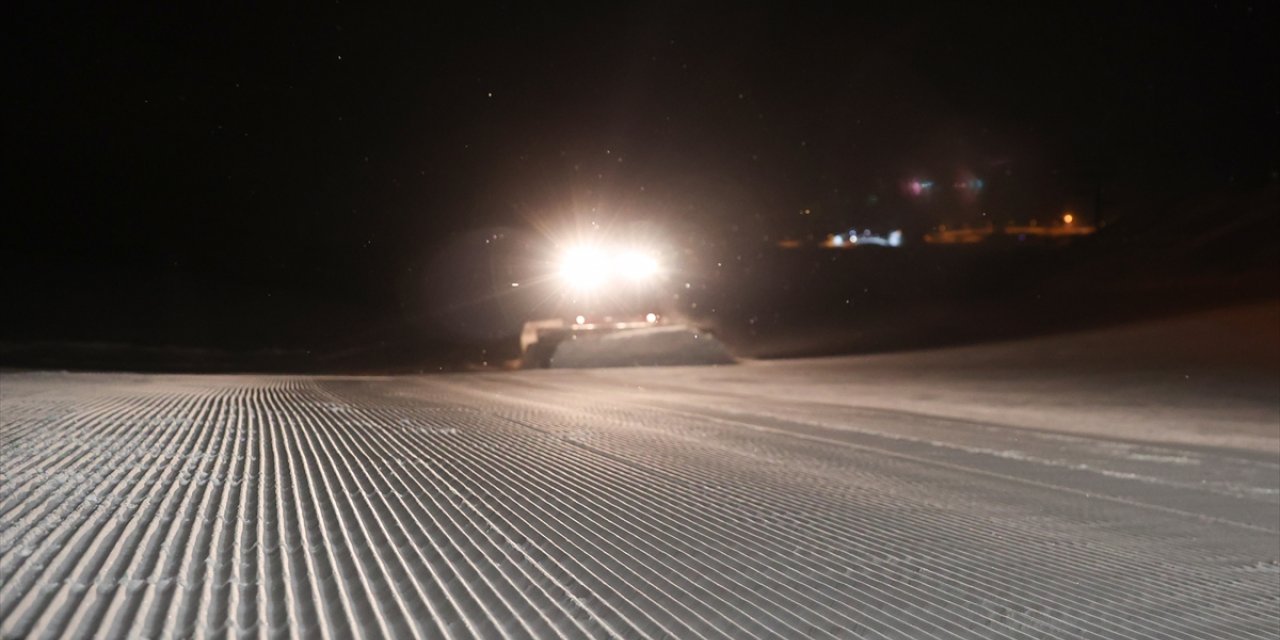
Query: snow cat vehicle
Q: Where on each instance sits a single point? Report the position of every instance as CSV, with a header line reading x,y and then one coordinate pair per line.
x,y
613,306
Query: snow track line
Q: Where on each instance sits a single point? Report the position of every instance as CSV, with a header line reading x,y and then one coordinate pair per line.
x,y
975,471
1237,456
1235,463
464,506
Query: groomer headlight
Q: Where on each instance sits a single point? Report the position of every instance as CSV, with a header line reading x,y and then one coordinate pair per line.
x,y
584,268
637,266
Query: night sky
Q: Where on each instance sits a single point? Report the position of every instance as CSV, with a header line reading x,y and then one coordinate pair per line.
x,y
258,177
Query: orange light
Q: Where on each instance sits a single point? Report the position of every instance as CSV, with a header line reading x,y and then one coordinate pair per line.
x,y
1068,218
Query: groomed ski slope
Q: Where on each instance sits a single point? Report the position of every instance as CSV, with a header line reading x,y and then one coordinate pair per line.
x,y
581,504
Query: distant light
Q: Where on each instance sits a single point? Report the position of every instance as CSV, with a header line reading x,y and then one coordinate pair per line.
x,y
1068,218
515,284
651,317
919,187
895,238
853,238
837,240
580,320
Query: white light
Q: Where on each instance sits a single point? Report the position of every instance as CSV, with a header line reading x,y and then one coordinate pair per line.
x,y
637,266
589,268
580,320
837,240
584,268
650,317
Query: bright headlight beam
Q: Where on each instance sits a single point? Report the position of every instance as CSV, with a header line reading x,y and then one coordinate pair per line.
x,y
584,268
588,268
636,265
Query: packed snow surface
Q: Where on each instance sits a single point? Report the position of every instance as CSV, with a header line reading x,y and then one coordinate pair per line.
x,y
850,497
